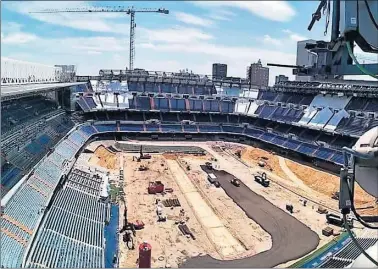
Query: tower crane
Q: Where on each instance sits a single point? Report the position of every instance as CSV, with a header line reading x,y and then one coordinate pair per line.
x,y
120,9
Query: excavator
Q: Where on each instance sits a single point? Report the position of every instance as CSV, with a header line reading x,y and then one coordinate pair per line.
x,y
142,156
130,229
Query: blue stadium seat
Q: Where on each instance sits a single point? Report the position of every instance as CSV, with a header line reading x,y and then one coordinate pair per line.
x,y
232,129
190,128
292,144
44,139
266,95
171,128
210,128
338,158
307,149
88,129
279,140
267,137
131,127
143,102
34,148
152,128
106,127
324,153
253,132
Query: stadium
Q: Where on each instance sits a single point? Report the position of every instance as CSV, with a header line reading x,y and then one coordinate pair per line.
x,y
151,169
77,165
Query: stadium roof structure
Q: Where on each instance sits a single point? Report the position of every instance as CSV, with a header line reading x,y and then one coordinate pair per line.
x,y
13,91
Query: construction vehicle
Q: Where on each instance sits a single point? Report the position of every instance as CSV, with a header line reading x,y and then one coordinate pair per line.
x,y
235,182
155,187
142,168
262,180
217,184
290,208
209,165
144,156
159,213
211,178
138,225
337,220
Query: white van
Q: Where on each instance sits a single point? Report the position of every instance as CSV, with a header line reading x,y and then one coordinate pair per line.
x,y
211,177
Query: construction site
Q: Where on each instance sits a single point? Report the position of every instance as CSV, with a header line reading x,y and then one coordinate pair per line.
x,y
217,204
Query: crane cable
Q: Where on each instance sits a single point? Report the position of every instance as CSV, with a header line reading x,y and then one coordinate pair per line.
x,y
358,216
359,66
327,10
371,14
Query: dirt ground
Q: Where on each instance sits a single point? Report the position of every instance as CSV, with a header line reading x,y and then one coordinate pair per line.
x,y
319,181
169,246
249,233
327,184
254,155
104,158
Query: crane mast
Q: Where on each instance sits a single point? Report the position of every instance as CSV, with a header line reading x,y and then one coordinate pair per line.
x,y
129,11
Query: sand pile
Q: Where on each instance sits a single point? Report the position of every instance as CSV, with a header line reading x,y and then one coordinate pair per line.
x,y
328,184
104,158
253,156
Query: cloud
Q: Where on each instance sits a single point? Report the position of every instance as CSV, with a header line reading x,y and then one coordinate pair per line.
x,y
294,36
10,26
93,52
178,35
192,19
268,40
221,15
17,38
98,22
271,10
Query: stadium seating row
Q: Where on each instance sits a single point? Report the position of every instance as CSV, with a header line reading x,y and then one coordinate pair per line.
x,y
76,205
176,104
323,112
305,147
16,112
348,254
25,208
22,152
170,88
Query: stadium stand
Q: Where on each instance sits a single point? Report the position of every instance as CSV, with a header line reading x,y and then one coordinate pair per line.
x,y
346,255
35,141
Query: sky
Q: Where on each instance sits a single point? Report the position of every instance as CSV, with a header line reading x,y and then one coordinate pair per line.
x,y
193,36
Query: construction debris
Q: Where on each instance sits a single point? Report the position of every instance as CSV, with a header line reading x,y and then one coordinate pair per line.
x,y
185,231
328,231
171,202
322,210
335,195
